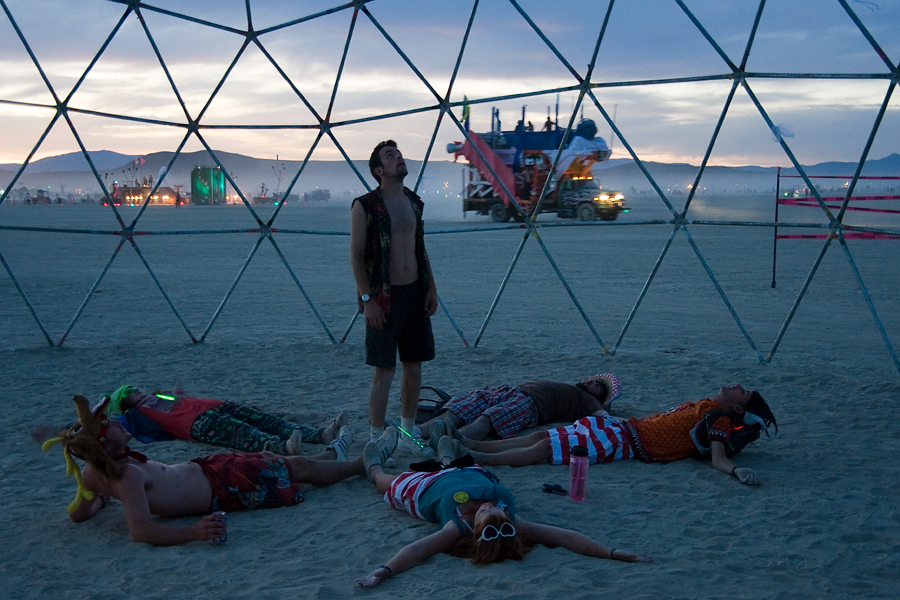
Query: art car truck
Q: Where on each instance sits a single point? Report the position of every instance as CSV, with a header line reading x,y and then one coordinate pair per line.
x,y
523,160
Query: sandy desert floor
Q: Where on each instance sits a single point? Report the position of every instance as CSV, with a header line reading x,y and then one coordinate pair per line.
x,y
825,522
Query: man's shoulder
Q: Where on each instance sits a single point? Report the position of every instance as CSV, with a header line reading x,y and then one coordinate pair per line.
x,y
98,482
367,197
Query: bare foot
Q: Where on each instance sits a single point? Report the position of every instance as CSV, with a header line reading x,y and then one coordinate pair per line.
x,y
329,434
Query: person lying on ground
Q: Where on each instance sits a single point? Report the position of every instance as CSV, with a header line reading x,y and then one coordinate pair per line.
x,y
220,482
717,427
508,410
477,515
165,416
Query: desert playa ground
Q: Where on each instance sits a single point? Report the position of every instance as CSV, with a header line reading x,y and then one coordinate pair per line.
x,y
824,523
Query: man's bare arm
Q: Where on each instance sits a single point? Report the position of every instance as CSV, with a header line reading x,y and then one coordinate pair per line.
x,y
721,462
374,313
431,297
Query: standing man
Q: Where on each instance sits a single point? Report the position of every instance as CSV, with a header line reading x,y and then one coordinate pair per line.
x,y
395,289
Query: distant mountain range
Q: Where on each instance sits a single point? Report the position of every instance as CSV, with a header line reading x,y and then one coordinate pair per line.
x,y
70,171
105,160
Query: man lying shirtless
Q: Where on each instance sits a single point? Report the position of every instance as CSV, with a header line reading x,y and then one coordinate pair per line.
x,y
220,482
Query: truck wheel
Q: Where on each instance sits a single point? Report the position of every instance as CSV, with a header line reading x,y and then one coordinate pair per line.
x,y
586,212
499,214
609,215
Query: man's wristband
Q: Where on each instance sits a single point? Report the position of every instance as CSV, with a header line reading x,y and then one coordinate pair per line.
x,y
733,474
388,569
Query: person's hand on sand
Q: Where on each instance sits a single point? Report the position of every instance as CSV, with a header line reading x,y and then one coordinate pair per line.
x,y
747,476
628,557
374,315
210,527
431,301
374,578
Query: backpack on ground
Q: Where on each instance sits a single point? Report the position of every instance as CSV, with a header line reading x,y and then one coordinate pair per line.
x,y
429,408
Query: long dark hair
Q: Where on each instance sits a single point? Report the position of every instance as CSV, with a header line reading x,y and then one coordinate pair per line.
x,y
494,551
758,407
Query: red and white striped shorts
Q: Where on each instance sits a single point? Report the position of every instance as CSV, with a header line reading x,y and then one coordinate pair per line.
x,y
606,440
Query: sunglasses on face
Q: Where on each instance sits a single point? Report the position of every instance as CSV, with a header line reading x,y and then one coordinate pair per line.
x,y
492,533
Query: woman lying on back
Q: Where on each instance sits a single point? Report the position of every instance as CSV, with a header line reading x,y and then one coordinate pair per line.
x,y
477,514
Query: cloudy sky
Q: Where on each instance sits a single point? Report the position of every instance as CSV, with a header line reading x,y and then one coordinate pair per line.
x,y
645,40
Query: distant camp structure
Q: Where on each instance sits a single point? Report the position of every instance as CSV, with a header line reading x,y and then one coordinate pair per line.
x,y
138,195
207,186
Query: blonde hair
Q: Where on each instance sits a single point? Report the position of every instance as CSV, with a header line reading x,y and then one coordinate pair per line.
x,y
497,550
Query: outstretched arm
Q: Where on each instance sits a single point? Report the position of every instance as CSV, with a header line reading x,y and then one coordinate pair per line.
x,y
553,537
721,462
413,554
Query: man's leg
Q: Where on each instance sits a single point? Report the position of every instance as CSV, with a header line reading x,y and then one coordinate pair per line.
x,y
219,427
518,457
324,473
382,480
410,389
411,434
478,429
496,446
378,395
447,414
537,452
270,424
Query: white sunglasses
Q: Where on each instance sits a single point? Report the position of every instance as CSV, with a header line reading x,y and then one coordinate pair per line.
x,y
492,533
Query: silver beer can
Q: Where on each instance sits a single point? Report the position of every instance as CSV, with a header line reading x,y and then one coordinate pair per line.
x,y
224,518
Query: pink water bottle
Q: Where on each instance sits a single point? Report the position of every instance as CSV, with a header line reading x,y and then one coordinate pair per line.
x,y
578,465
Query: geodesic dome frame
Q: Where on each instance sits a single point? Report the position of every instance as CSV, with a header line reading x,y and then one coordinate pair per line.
x,y
584,83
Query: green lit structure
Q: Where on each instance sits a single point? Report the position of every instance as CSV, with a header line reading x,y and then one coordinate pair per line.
x,y
207,186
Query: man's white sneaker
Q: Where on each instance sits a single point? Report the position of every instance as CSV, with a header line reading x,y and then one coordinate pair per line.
x,y
415,445
411,442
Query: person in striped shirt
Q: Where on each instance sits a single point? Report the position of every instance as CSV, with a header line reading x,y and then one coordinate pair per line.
x,y
704,428
477,515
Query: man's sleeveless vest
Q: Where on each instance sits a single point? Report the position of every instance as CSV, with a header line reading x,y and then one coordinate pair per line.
x,y
377,256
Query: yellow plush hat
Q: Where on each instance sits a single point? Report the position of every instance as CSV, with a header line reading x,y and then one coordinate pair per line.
x,y
85,441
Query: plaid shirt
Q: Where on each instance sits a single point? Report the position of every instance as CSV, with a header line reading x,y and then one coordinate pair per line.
x,y
377,257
